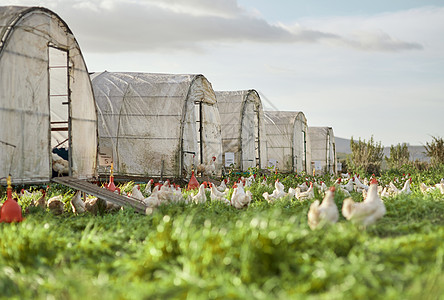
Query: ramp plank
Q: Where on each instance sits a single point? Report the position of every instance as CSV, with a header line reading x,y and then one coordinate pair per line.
x,y
99,192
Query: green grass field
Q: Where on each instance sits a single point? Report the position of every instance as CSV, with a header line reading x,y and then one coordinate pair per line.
x,y
214,251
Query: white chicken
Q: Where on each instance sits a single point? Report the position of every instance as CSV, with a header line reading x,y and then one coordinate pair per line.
x,y
240,198
152,201
201,196
176,195
324,213
405,189
349,186
277,193
385,192
77,204
223,186
147,190
293,191
365,182
359,186
215,195
207,169
250,180
345,175
426,189
303,187
307,195
59,165
440,186
392,189
323,188
165,192
136,193
25,193
367,212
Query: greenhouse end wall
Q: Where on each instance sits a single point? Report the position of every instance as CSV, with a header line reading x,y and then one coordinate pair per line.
x,y
243,129
27,101
287,141
151,123
323,152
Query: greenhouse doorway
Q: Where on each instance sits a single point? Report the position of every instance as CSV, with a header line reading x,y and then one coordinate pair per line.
x,y
257,139
329,158
249,143
198,112
304,151
59,103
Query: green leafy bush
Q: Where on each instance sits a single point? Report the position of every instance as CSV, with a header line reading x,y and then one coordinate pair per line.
x,y
399,156
435,150
366,157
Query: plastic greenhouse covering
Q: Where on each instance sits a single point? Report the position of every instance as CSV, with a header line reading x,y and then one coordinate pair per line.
x,y
46,98
323,149
156,124
243,129
287,142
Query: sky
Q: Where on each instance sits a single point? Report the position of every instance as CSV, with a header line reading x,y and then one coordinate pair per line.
x,y
364,68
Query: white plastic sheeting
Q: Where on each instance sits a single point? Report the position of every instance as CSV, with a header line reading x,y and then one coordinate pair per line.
x,y
156,124
43,80
287,141
243,128
323,149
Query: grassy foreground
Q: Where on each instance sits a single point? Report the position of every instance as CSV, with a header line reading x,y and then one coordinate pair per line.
x,y
212,251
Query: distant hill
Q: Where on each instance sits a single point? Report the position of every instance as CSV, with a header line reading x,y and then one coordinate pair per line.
x,y
342,145
416,152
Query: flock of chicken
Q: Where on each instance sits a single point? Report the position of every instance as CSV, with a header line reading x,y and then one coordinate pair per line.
x,y
363,213
320,213
57,206
171,193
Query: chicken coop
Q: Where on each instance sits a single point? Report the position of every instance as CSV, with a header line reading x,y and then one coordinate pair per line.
x,y
243,129
46,98
323,150
287,141
154,125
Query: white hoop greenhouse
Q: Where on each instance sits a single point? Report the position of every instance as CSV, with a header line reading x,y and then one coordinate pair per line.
x,y
156,124
288,145
243,129
323,149
46,99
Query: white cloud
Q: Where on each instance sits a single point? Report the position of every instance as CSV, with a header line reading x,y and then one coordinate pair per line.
x,y
409,29
378,41
176,25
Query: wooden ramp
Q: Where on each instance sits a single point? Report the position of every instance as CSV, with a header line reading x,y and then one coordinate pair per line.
x,y
101,193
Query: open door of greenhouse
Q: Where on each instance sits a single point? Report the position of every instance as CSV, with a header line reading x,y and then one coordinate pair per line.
x,y
59,101
257,140
248,137
199,131
304,151
329,152
207,132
